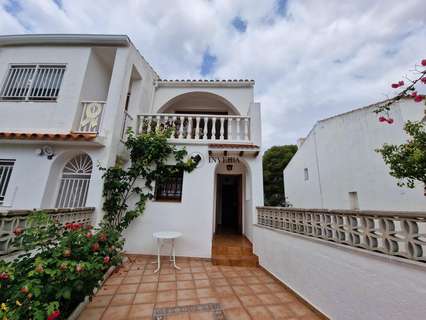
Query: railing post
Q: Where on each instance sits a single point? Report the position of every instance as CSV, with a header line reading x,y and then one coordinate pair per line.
x,y
222,129
197,128
189,131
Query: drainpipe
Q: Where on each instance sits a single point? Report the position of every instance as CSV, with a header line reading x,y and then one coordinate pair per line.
x,y
318,168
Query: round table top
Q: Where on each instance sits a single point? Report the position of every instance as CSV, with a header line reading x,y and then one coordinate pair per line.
x,y
167,235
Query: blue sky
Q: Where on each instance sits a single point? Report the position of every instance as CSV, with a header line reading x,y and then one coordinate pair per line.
x,y
311,59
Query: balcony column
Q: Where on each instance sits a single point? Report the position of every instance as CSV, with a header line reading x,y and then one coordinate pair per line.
x,y
246,134
205,129
197,129
189,131
213,137
230,120
222,129
182,119
238,129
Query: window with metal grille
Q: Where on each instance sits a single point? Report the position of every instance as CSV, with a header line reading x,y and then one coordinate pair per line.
x,y
74,183
35,82
6,167
169,188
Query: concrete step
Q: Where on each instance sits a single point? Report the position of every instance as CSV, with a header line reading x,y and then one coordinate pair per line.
x,y
242,261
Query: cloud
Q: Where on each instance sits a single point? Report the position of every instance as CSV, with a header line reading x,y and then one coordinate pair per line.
x,y
310,59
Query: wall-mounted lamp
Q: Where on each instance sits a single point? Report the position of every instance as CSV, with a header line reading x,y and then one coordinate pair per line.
x,y
229,167
46,151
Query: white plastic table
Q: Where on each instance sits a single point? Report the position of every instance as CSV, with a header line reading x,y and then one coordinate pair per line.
x,y
161,238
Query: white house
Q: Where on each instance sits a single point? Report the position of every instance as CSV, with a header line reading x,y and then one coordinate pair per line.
x,y
65,103
336,166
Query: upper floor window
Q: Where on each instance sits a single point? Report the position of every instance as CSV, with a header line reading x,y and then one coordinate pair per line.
x,y
306,174
169,188
6,167
32,82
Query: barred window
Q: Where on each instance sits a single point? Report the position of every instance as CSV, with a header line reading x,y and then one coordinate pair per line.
x,y
34,82
6,167
169,188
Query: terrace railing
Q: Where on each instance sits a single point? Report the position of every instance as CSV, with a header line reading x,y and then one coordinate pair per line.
x,y
10,220
199,127
393,233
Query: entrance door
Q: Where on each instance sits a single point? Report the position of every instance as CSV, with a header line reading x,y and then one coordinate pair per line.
x,y
229,204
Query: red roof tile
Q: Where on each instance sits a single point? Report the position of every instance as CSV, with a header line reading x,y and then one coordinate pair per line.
x,y
233,146
48,136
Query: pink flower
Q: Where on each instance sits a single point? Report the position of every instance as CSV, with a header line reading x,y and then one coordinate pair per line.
x,y
382,119
95,247
414,94
103,237
18,231
418,98
78,268
107,259
4,276
423,80
89,235
55,314
395,85
390,120
401,83
424,62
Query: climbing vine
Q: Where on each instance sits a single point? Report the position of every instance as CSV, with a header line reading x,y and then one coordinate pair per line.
x,y
150,158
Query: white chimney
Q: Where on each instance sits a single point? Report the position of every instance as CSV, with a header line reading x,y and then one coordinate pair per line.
x,y
300,141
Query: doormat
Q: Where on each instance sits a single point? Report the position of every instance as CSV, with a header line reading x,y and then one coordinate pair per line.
x,y
214,310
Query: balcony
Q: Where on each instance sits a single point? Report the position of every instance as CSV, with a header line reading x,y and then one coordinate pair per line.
x,y
199,128
91,116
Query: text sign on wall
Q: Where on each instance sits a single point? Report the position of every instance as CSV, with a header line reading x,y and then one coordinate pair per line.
x,y
224,159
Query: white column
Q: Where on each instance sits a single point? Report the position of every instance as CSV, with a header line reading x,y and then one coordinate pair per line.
x,y
189,131
238,129
181,127
197,128
213,128
205,128
222,129
230,128
246,134
140,129
148,130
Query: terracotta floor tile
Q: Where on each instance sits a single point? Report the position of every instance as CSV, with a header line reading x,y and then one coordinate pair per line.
x,y
259,288
182,316
280,311
219,282
213,269
268,298
133,273
299,309
150,278
186,294
260,313
205,292
285,296
167,277
167,271
148,287
185,285
209,300
116,313
167,304
224,291
236,314
145,297
274,287
107,290
215,275
183,276
251,280
132,279
188,302
202,283
165,296
166,286
229,302
91,314
197,269
127,288
200,275
202,315
230,274
141,310
249,301
123,299
242,290
99,301
236,281
114,280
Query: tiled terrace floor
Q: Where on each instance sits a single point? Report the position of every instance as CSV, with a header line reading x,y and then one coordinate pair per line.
x,y
133,292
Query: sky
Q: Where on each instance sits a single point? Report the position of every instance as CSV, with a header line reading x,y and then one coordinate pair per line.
x,y
310,59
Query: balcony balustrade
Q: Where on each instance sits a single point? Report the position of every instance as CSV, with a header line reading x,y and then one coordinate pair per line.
x,y
199,127
394,233
12,219
91,116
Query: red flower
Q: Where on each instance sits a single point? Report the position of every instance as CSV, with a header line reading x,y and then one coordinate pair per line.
x,y
103,237
382,119
18,231
79,268
39,268
414,94
424,62
63,266
55,314
401,83
4,276
395,85
423,80
95,247
418,98
107,259
390,120
24,290
89,235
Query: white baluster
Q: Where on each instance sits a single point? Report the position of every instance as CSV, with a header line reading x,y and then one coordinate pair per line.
x,y
238,128
222,129
205,129
158,119
140,124
246,133
148,130
166,119
189,131
230,128
181,127
174,119
197,128
213,128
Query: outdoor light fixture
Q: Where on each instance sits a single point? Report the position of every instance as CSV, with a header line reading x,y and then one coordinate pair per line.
x,y
229,167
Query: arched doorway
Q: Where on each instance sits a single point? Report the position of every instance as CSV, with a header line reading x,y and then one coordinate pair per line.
x,y
74,182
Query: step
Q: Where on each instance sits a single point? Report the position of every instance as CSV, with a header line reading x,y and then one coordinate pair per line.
x,y
231,250
244,261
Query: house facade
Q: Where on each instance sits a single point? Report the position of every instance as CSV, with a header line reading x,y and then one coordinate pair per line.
x,y
336,166
65,104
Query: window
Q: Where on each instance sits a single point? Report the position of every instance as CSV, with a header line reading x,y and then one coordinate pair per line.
x,y
74,183
6,167
170,188
353,200
306,173
34,82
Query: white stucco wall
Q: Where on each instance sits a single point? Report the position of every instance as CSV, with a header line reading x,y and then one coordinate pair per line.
x,y
342,283
339,154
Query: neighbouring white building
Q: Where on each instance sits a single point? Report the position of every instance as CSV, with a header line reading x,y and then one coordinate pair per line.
x,y
336,166
65,103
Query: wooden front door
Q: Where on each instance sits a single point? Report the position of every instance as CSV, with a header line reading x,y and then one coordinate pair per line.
x,y
229,204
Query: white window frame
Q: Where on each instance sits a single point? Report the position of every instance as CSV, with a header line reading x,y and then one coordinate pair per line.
x,y
6,170
19,85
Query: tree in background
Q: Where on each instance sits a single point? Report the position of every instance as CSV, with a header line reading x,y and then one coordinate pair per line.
x,y
275,160
407,162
